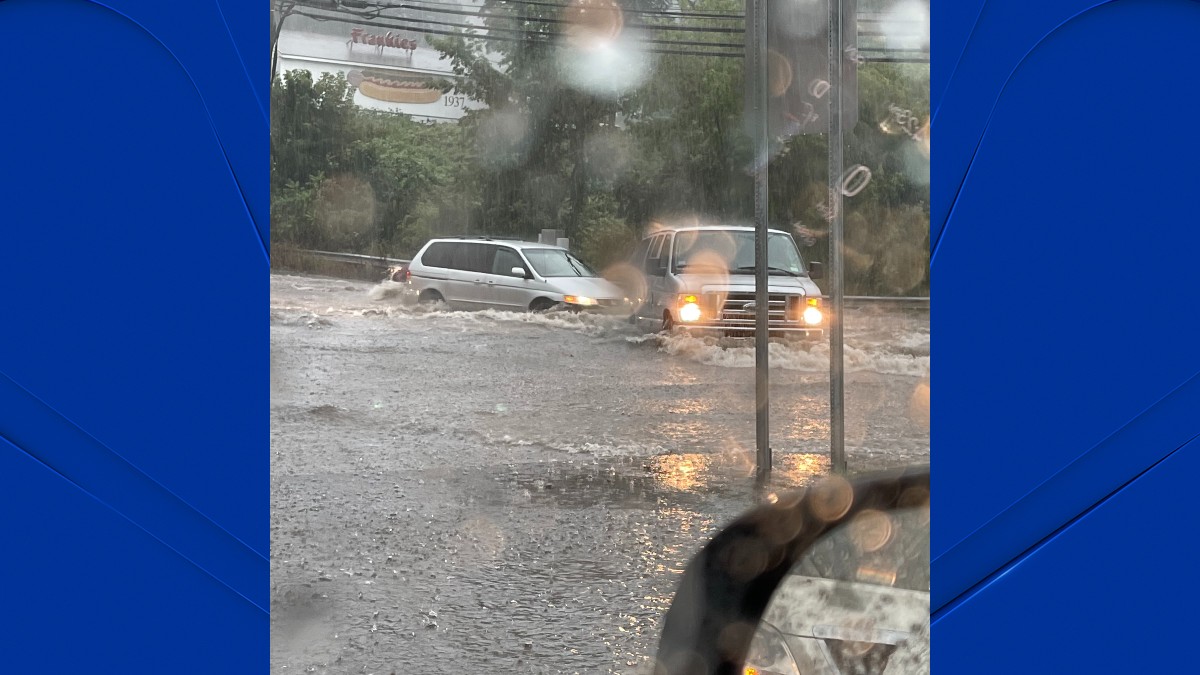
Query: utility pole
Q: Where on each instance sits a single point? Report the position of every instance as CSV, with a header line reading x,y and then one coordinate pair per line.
x,y
280,10
837,379
756,69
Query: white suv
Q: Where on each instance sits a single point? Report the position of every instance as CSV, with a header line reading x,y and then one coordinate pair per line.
x,y
480,273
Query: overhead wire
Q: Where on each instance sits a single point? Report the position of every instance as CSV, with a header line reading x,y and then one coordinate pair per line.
x,y
375,18
413,5
710,13
527,36
514,31
707,14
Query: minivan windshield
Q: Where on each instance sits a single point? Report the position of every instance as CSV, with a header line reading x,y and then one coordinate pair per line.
x,y
733,250
554,262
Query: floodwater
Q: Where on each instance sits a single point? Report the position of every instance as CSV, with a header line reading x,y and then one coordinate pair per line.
x,y
470,492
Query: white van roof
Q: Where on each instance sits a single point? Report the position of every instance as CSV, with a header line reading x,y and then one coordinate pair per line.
x,y
718,228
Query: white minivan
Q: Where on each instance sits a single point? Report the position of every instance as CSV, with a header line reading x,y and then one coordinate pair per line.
x,y
481,273
701,279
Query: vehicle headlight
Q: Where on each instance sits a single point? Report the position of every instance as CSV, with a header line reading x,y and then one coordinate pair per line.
x,y
769,655
812,316
689,312
579,300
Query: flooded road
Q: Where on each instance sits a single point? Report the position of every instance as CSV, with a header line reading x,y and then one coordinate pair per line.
x,y
470,492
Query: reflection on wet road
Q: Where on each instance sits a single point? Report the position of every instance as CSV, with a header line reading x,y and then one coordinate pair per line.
x,y
458,492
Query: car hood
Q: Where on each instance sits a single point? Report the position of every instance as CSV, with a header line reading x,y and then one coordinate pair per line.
x,y
744,283
591,287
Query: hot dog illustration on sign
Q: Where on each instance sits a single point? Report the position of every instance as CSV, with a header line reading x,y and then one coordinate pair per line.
x,y
397,87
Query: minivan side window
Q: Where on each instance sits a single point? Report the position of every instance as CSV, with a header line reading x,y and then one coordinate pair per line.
x,y
471,257
438,255
506,259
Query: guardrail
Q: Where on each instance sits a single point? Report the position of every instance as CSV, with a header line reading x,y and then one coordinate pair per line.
x,y
355,258
382,264
908,302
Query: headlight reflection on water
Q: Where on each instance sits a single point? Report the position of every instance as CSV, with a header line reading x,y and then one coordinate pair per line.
x,y
699,472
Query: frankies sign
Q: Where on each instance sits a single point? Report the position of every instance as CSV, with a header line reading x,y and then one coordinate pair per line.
x,y
360,36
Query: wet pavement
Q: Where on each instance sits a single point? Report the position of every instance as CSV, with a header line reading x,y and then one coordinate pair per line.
x,y
469,492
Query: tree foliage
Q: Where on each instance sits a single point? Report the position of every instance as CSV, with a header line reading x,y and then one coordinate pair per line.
x,y
599,164
349,179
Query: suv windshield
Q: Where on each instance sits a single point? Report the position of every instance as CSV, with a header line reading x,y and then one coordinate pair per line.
x,y
552,262
733,250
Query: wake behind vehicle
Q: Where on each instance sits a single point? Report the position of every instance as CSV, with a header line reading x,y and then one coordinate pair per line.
x,y
701,279
482,273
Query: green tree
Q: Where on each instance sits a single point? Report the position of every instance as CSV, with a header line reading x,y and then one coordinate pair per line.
x,y
533,139
311,126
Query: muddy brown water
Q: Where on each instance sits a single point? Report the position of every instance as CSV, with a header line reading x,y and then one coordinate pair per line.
x,y
470,492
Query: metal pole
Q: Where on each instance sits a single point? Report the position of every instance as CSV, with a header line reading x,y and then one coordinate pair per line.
x,y
756,68
837,384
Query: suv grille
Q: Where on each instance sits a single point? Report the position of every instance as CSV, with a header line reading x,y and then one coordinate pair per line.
x,y
739,308
736,316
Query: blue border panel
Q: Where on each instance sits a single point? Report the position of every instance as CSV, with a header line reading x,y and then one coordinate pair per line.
x,y
1064,233
133,367
90,591
1110,593
134,458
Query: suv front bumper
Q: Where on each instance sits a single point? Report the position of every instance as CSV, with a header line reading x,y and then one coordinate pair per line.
x,y
725,330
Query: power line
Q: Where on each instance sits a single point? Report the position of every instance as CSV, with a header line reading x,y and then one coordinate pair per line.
x,y
923,57
514,31
721,15
416,5
534,35
527,36
378,13
413,4
546,39
708,14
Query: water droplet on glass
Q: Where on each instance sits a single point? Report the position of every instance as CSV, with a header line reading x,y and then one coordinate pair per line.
x,y
855,180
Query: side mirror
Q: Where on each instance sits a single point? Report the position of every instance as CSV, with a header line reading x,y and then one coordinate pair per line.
x,y
816,270
835,574
519,272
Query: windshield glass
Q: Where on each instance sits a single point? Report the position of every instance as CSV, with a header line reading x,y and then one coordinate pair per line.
x,y
733,251
551,262
471,473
